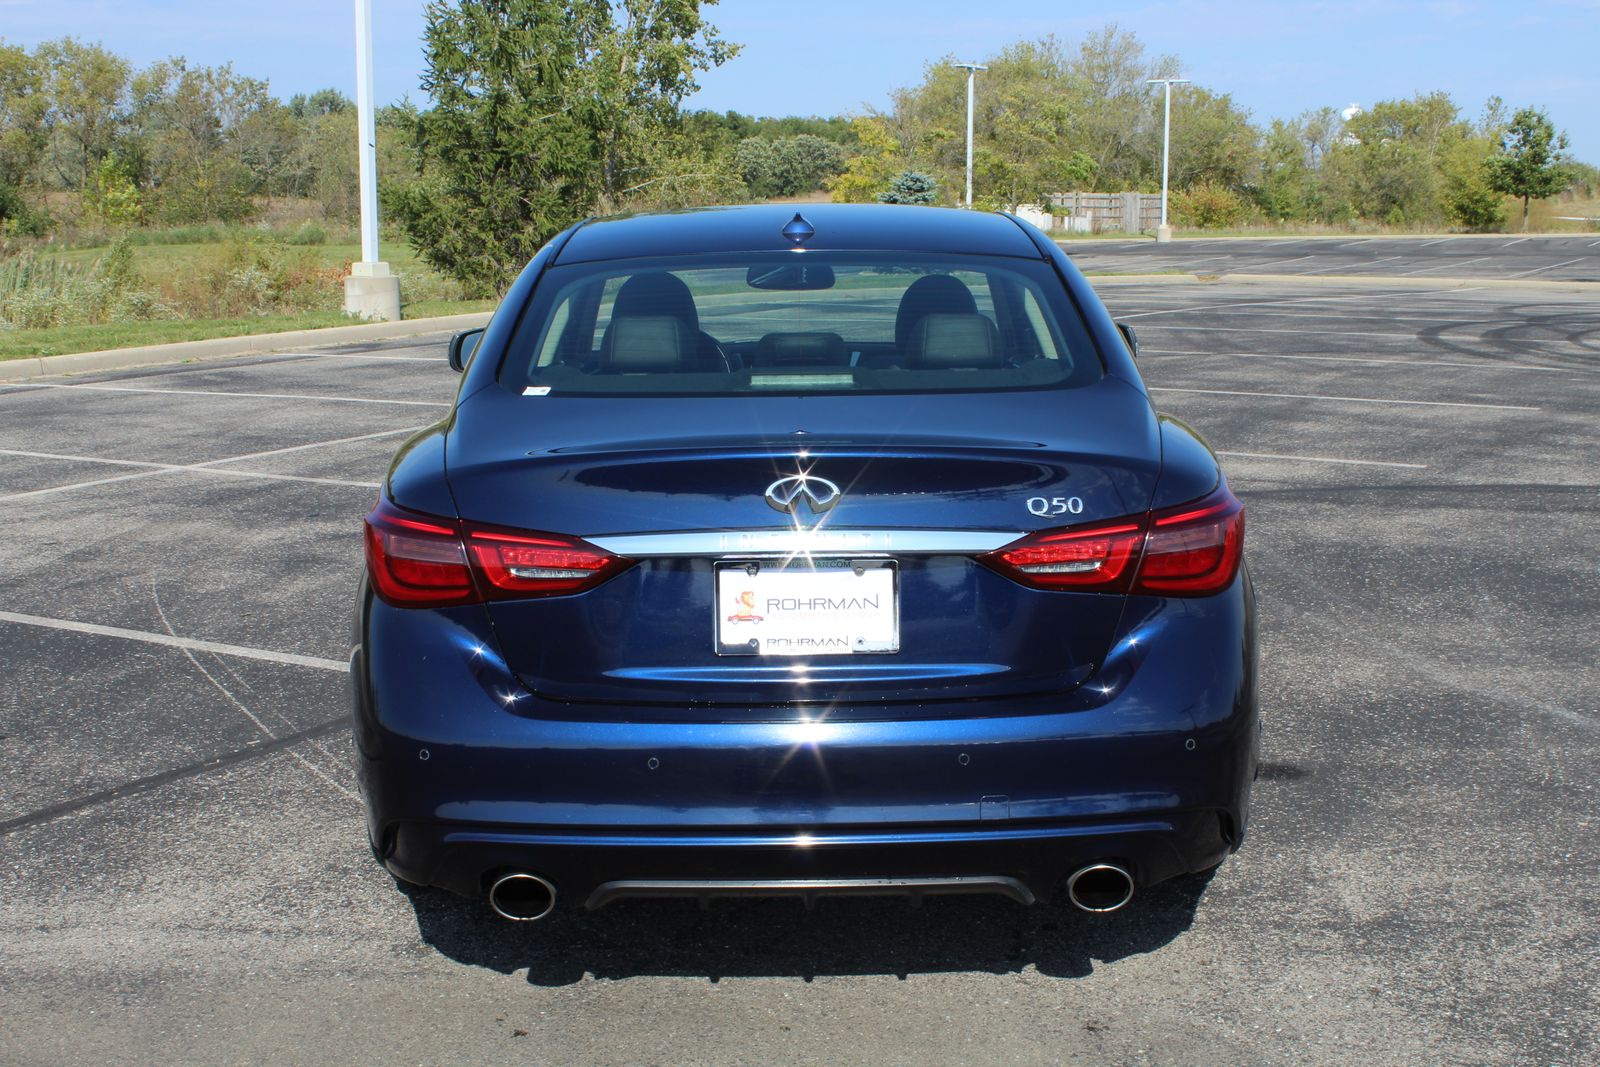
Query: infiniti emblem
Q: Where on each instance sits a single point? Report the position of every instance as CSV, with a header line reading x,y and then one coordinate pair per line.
x,y
785,494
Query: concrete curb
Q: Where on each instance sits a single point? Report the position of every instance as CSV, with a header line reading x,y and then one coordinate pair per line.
x,y
1101,280
1068,242
13,370
1382,281
1394,281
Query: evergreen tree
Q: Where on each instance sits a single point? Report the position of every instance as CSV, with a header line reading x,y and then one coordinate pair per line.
x,y
910,187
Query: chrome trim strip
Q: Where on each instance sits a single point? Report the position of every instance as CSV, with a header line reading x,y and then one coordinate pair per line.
x,y
799,542
808,889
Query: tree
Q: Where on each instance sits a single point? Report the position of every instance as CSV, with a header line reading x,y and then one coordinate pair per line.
x,y
1530,163
206,139
1213,142
23,107
1468,195
1386,164
88,90
1049,119
1286,188
321,102
542,112
878,157
910,187
787,166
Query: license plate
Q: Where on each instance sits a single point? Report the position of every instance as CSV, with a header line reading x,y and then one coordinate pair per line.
x,y
809,607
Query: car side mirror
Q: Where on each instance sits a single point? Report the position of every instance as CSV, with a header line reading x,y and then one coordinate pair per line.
x,y
462,346
1131,337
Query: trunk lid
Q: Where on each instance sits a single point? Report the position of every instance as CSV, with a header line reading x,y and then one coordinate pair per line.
x,y
679,484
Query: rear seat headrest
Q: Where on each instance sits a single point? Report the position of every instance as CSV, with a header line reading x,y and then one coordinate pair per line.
x,y
801,349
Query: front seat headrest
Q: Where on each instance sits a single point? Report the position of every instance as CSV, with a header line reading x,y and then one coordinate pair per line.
x,y
958,342
641,343
654,294
936,293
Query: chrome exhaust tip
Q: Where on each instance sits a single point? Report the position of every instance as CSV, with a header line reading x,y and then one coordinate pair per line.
x,y
521,897
1100,888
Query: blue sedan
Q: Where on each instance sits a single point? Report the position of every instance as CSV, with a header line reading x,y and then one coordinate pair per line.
x,y
839,552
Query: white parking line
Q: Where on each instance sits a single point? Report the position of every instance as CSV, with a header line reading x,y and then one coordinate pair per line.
x,y
1256,268
1553,266
1325,459
1518,241
219,392
1345,399
1267,329
241,651
1440,241
1352,269
209,467
163,467
1354,359
1294,300
1437,266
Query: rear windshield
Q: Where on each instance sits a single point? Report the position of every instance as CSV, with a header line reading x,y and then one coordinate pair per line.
x,y
806,322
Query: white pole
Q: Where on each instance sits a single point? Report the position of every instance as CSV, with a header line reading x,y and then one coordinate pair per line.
x,y
972,78
1166,146
1164,231
366,132
371,291
972,75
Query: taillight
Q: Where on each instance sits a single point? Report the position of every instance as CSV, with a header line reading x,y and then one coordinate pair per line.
x,y
1090,559
1190,550
417,560
413,561
1194,549
515,565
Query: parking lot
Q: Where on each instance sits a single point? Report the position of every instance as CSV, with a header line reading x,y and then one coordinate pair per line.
x,y
185,876
1539,257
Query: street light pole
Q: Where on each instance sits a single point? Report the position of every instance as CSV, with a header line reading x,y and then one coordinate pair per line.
x,y
1164,232
370,292
972,74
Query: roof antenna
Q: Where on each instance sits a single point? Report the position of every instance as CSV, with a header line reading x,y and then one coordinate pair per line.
x,y
799,230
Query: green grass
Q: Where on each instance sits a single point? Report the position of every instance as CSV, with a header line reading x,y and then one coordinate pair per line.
x,y
19,344
427,309
153,259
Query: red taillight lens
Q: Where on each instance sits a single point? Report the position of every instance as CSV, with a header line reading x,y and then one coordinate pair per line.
x,y
1091,559
1194,549
1191,550
420,561
415,561
520,565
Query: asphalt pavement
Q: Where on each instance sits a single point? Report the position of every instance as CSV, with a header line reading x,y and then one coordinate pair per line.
x,y
1539,257
183,873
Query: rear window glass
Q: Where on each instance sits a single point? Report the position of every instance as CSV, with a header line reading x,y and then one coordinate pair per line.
x,y
800,323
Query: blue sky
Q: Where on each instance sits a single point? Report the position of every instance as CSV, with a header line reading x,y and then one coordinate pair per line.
x,y
832,56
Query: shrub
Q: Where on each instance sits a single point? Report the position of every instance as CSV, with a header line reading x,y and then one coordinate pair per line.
x,y
1208,206
309,233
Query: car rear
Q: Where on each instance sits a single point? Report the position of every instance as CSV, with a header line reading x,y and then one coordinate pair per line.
x,y
804,567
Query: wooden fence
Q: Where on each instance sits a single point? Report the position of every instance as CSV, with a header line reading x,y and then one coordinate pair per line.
x,y
1095,212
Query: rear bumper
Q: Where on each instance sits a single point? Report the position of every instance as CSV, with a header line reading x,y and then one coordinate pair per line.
x,y
1148,766
585,866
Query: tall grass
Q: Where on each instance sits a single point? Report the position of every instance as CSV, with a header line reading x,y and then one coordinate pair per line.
x,y
240,277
